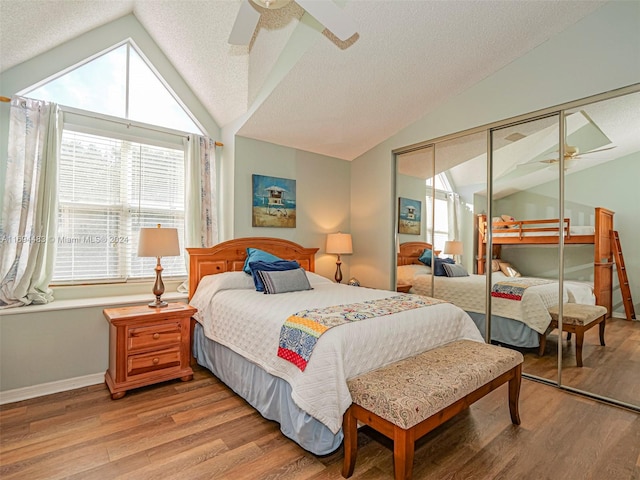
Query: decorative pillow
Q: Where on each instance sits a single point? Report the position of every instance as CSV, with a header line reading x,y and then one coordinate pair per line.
x,y
495,265
438,269
256,255
425,257
454,270
276,266
495,220
509,218
284,281
508,270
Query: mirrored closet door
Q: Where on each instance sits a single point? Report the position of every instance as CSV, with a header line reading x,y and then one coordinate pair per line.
x,y
524,223
601,171
414,221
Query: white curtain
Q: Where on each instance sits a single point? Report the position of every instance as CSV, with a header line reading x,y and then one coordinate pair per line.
x,y
30,206
455,216
201,219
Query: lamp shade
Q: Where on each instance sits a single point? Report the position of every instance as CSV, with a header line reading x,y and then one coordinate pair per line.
x,y
158,242
339,243
453,247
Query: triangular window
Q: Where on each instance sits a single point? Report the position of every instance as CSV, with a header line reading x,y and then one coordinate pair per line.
x,y
120,83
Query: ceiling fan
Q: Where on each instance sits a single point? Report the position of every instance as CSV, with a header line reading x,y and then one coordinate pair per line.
x,y
573,153
324,11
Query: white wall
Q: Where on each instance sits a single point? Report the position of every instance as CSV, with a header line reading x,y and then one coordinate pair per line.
x,y
597,54
322,202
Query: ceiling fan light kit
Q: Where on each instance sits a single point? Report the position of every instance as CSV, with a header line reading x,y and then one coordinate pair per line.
x,y
272,4
326,12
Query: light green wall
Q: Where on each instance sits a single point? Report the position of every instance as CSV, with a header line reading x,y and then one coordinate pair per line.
x,y
322,201
606,43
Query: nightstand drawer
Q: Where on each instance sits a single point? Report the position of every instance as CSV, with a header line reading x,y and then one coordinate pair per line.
x,y
140,338
152,361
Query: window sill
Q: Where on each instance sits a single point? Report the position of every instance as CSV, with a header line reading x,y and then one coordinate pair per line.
x,y
92,302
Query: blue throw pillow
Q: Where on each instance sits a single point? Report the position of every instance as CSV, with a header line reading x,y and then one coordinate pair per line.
x,y
426,257
438,270
256,255
286,281
277,266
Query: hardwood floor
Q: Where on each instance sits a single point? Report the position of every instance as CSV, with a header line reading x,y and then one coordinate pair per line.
x,y
202,430
610,371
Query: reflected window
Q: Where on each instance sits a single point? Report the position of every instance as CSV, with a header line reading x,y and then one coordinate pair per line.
x,y
443,201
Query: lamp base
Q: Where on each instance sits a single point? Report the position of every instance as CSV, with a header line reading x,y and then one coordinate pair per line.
x,y
157,303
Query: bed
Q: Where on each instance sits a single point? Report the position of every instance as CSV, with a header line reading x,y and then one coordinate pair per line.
x,y
237,332
547,232
515,323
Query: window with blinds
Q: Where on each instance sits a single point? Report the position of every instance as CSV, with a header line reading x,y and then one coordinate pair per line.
x,y
109,188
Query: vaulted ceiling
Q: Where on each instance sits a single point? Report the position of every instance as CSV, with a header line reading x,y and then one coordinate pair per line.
x,y
297,85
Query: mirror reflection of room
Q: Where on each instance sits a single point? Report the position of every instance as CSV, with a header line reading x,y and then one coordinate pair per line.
x,y
518,244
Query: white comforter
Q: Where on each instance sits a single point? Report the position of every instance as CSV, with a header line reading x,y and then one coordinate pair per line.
x,y
249,322
469,294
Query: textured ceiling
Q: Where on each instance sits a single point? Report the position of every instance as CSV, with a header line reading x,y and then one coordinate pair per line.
x,y
334,98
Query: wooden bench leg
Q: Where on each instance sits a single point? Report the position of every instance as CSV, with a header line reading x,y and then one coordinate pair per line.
x,y
403,450
514,394
350,431
602,324
579,341
543,343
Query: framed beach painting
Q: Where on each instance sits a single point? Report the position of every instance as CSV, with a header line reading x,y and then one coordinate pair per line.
x,y
274,202
409,216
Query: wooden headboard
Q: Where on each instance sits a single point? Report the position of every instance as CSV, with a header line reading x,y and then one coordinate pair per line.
x,y
229,256
410,252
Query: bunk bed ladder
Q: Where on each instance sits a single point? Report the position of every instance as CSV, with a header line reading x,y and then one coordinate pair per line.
x,y
622,276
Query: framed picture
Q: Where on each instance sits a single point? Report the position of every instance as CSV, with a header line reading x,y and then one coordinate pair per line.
x,y
409,216
274,202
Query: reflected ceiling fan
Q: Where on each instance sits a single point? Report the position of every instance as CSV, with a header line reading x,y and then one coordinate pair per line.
x,y
573,153
324,11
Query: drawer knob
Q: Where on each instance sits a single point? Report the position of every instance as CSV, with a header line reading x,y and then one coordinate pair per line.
x,y
156,336
156,360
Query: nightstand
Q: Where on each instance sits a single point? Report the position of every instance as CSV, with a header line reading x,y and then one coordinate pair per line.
x,y
148,345
403,287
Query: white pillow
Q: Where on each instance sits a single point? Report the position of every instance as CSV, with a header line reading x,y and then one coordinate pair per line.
x,y
315,279
406,273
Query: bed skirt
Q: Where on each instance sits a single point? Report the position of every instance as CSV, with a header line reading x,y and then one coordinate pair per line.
x,y
270,395
507,331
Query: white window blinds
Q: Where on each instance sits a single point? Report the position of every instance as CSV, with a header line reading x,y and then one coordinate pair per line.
x,y
109,188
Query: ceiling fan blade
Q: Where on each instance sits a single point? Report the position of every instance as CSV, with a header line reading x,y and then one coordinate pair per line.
x,y
331,16
598,150
245,24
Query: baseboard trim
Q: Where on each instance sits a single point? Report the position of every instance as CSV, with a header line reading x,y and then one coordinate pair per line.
x,y
25,393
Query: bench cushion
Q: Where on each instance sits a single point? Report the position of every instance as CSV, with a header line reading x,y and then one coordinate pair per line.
x,y
577,313
411,390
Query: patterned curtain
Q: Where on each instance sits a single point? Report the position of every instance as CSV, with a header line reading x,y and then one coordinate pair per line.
x,y
30,206
201,219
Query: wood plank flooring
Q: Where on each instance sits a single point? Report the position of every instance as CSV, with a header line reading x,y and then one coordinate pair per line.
x,y
202,430
610,371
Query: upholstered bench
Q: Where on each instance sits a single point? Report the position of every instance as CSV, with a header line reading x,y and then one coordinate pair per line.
x,y
409,398
576,318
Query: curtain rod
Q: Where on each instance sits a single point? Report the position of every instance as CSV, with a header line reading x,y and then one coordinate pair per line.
x,y
218,144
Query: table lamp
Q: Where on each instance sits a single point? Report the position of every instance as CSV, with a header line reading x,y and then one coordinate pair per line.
x,y
158,242
339,244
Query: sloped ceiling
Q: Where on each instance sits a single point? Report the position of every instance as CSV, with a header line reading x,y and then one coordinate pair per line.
x,y
334,98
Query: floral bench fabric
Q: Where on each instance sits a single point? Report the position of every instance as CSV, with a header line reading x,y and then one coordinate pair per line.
x,y
411,390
